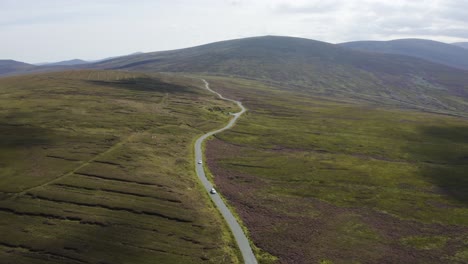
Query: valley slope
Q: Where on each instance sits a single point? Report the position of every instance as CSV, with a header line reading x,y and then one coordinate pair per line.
x,y
97,167
342,155
12,67
438,52
321,180
317,68
461,44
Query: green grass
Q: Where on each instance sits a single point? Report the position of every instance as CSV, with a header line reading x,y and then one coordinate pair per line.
x,y
459,257
350,170
425,242
97,167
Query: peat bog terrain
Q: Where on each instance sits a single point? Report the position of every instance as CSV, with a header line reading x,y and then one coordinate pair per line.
x,y
343,156
317,180
97,167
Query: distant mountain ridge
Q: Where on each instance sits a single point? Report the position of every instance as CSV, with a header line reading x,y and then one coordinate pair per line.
x,y
79,61
317,67
11,66
25,68
461,44
65,63
447,54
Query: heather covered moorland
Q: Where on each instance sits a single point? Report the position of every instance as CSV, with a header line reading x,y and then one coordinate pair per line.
x,y
96,167
342,155
315,179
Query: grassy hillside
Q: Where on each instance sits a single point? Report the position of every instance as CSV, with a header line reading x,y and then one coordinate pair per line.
x,y
96,167
316,179
317,68
434,51
320,69
11,66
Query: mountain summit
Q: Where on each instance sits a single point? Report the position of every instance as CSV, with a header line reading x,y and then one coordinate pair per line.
x,y
314,67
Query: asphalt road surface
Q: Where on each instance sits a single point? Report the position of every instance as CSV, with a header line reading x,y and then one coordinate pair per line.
x,y
241,239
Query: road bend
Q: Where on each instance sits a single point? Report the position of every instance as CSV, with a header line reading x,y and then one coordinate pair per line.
x,y
241,239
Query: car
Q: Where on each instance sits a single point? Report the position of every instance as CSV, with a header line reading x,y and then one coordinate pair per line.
x,y
213,191
199,162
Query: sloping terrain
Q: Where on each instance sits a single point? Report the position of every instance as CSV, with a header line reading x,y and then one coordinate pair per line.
x,y
66,63
11,66
318,68
97,167
461,44
430,50
342,156
319,180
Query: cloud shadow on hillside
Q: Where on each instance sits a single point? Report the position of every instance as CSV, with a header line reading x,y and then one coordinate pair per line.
x,y
19,135
445,166
144,84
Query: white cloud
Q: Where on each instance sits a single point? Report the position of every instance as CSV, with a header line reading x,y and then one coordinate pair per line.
x,y
51,30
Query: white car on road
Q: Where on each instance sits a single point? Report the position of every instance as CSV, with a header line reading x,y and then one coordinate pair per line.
x,y
199,162
213,191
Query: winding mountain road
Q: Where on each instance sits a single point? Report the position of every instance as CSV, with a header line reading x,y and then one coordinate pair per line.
x,y
241,239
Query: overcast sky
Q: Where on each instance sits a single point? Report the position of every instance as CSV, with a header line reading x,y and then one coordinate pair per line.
x,y
52,30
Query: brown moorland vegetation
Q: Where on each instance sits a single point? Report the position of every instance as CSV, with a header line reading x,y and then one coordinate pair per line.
x,y
322,181
96,167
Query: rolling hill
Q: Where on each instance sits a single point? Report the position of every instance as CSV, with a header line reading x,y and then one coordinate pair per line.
x,y
316,180
425,49
317,67
75,62
11,66
66,63
329,165
314,67
461,44
96,167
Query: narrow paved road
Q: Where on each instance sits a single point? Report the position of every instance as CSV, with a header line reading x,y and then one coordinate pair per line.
x,y
241,239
